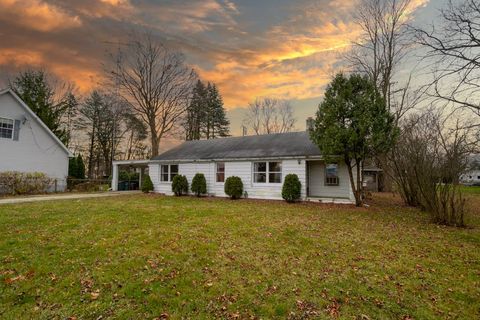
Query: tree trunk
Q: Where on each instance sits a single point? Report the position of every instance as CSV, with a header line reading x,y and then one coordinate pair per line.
x,y
154,139
358,199
359,183
90,156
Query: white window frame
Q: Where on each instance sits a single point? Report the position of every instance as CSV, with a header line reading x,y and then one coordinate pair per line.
x,y
217,172
328,183
169,172
13,128
267,172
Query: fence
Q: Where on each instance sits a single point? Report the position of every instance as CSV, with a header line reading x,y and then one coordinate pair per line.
x,y
88,185
13,182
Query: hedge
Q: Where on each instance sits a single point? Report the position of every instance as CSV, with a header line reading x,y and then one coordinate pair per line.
x,y
199,184
292,188
147,184
180,185
234,187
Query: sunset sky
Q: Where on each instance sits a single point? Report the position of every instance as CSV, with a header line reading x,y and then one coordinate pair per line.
x,y
249,48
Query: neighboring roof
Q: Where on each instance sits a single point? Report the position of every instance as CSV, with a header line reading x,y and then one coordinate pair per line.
x,y
34,116
291,144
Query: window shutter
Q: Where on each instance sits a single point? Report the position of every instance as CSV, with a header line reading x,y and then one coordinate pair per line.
x,y
16,130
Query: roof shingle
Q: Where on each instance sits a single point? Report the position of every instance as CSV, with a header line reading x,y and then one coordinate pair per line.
x,y
289,144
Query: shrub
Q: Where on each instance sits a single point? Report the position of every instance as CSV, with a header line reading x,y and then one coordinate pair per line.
x,y
179,185
13,182
234,187
291,189
199,184
147,184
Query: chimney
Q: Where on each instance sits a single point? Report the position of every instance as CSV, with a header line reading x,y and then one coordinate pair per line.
x,y
310,124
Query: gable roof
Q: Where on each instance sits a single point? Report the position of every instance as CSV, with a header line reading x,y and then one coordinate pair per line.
x,y
34,116
291,144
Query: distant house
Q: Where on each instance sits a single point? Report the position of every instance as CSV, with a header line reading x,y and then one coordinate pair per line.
x,y
262,162
471,177
26,143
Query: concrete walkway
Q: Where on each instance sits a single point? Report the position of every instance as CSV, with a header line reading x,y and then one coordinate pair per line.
x,y
65,196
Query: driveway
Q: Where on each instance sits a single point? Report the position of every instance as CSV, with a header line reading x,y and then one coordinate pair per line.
x,y
64,196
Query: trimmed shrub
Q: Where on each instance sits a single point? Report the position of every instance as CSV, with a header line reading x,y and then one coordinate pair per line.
x,y
147,184
291,189
13,182
199,184
179,185
234,187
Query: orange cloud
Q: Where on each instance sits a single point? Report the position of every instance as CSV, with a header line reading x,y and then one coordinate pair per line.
x,y
296,61
38,15
79,74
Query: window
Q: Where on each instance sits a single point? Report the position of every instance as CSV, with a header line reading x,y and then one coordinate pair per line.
x,y
6,128
260,172
220,171
168,171
275,172
164,174
173,171
270,172
331,175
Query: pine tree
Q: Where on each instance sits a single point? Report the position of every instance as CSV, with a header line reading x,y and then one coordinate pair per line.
x,y
220,122
72,167
80,167
35,89
196,113
206,117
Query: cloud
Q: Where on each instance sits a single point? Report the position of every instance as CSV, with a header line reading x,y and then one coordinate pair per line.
x,y
38,15
276,48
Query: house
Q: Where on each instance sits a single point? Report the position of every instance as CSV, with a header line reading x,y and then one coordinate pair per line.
x,y
261,161
26,143
471,177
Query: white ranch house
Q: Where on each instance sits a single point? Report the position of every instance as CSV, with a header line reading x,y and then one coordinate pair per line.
x,y
262,162
26,143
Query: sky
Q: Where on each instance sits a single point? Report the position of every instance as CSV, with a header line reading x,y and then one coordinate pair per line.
x,y
249,48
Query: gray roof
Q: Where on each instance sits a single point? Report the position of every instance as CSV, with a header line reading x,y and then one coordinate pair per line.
x,y
292,144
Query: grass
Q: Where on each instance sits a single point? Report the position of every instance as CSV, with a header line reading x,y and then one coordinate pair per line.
x,y
475,190
148,256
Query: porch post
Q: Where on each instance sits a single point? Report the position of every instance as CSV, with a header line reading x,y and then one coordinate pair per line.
x,y
140,177
115,177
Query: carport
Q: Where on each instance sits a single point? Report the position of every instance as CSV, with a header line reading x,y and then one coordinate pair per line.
x,y
138,165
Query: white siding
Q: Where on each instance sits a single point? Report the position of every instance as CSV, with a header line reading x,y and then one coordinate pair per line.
x,y
242,169
35,150
317,182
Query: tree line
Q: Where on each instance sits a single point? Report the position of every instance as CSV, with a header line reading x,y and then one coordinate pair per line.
x,y
150,93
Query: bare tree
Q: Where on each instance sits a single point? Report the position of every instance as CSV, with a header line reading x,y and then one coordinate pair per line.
x,y
382,47
270,115
155,81
429,158
454,50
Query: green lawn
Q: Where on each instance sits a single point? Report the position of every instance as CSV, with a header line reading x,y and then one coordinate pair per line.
x,y
148,256
471,190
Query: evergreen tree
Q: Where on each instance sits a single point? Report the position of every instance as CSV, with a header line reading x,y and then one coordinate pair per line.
x,y
35,89
220,123
352,124
72,167
206,117
196,113
80,167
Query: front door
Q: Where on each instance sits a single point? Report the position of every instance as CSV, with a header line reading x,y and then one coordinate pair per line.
x,y
315,178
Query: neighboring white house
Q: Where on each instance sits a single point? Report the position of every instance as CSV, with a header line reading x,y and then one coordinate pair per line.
x,y
471,177
26,143
262,162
